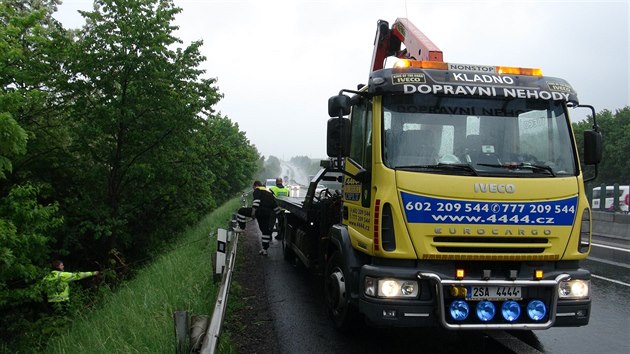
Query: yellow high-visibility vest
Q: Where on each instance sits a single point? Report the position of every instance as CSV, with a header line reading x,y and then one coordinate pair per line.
x,y
58,284
279,192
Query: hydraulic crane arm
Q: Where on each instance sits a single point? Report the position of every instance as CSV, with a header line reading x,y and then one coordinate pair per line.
x,y
388,43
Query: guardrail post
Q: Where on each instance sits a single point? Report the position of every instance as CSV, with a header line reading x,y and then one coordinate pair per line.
x,y
615,203
230,229
602,197
221,250
181,331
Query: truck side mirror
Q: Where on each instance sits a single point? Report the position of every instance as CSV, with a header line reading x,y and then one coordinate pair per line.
x,y
363,176
338,137
338,106
592,147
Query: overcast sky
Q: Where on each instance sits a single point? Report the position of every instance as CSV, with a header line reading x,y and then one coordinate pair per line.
x,y
278,62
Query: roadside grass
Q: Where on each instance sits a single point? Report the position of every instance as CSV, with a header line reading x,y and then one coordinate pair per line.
x,y
138,316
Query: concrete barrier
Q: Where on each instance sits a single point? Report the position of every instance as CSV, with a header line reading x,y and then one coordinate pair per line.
x,y
612,225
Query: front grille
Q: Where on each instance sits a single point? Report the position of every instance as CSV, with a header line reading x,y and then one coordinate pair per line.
x,y
501,240
494,245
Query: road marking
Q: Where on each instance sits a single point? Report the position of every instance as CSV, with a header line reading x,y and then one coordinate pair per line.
x,y
513,343
610,280
613,263
611,247
624,265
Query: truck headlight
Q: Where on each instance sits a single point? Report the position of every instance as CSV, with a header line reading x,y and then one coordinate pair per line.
x,y
391,288
574,289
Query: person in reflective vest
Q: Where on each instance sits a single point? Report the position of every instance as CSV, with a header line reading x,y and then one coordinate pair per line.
x,y
279,190
264,208
58,282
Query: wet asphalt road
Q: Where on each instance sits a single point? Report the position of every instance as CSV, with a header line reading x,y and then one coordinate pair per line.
x,y
302,325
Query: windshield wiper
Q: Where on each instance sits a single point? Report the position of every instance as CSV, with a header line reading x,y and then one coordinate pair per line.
x,y
445,166
516,166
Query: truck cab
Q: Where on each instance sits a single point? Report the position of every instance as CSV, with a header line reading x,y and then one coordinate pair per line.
x,y
463,198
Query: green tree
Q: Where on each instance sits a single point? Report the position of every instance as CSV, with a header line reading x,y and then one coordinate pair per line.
x,y
30,62
233,161
33,50
143,131
108,140
306,164
13,140
272,168
615,128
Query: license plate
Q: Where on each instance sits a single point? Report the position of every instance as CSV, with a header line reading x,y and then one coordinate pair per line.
x,y
493,292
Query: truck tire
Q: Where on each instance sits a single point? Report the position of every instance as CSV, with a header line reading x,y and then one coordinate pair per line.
x,y
287,252
343,312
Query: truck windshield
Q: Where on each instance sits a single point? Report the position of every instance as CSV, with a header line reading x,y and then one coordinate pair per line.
x,y
517,137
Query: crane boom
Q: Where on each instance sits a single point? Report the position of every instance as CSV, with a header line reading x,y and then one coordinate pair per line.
x,y
388,42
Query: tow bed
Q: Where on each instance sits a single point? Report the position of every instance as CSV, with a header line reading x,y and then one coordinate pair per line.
x,y
294,205
307,220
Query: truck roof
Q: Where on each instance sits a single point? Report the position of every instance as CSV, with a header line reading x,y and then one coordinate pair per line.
x,y
469,81
421,69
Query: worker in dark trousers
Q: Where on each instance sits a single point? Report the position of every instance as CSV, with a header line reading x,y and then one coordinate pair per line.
x,y
279,190
264,209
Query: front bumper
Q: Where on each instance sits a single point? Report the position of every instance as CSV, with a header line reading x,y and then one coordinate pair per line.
x,y
573,313
431,307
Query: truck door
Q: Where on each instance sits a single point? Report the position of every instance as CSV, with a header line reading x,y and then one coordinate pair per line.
x,y
357,194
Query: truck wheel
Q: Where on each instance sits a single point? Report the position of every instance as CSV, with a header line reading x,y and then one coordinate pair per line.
x,y
287,252
336,290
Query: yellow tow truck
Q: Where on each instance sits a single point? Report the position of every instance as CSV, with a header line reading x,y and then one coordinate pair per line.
x,y
460,198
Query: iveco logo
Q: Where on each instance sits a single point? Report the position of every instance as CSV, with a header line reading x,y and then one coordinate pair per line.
x,y
494,188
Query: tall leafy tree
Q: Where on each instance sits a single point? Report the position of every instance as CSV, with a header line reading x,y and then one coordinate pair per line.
x,y
33,56
30,62
232,161
307,165
273,167
615,167
108,140
615,128
141,108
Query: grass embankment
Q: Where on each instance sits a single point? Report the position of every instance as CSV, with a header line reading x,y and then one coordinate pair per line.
x,y
138,316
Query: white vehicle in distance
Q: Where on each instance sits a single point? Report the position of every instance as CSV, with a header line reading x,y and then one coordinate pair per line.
x,y
623,198
294,190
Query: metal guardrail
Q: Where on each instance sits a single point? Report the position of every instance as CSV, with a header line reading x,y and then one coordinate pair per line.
x,y
225,266
211,339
